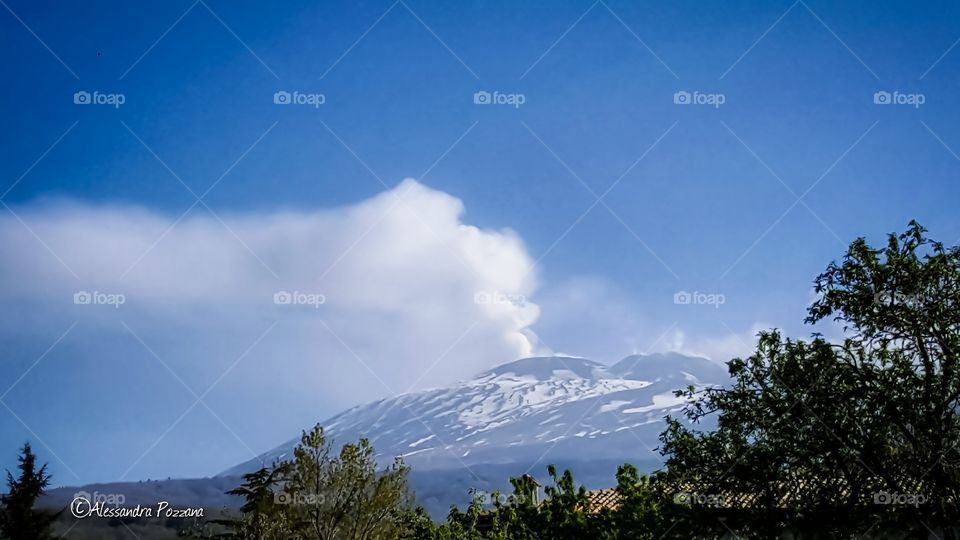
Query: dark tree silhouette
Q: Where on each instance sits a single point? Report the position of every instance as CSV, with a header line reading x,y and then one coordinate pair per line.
x,y
19,519
842,437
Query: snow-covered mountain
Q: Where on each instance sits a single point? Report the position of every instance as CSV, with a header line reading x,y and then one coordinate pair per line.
x,y
534,410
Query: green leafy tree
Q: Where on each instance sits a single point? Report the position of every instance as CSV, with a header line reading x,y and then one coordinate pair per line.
x,y
344,496
318,495
566,511
460,525
839,438
416,524
262,517
643,510
19,518
901,304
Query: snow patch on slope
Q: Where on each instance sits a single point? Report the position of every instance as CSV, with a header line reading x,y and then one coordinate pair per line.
x,y
528,410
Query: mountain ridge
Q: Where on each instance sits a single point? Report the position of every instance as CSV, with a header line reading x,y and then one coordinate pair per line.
x,y
520,411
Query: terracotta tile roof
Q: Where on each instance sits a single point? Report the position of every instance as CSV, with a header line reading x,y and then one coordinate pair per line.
x,y
603,498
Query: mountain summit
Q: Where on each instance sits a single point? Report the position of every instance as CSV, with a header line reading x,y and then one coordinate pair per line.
x,y
542,409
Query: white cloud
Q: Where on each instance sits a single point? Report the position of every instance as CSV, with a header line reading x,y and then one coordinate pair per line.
x,y
591,316
399,273
719,348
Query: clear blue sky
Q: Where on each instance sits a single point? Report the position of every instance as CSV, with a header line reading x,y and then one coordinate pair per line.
x,y
705,209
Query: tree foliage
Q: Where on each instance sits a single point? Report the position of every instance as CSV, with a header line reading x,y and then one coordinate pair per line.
x,y
841,437
262,517
344,496
566,512
19,517
319,495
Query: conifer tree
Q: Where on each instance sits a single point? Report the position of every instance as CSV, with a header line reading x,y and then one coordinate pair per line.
x,y
19,518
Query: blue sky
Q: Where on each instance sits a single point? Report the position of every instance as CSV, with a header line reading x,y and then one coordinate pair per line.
x,y
701,198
